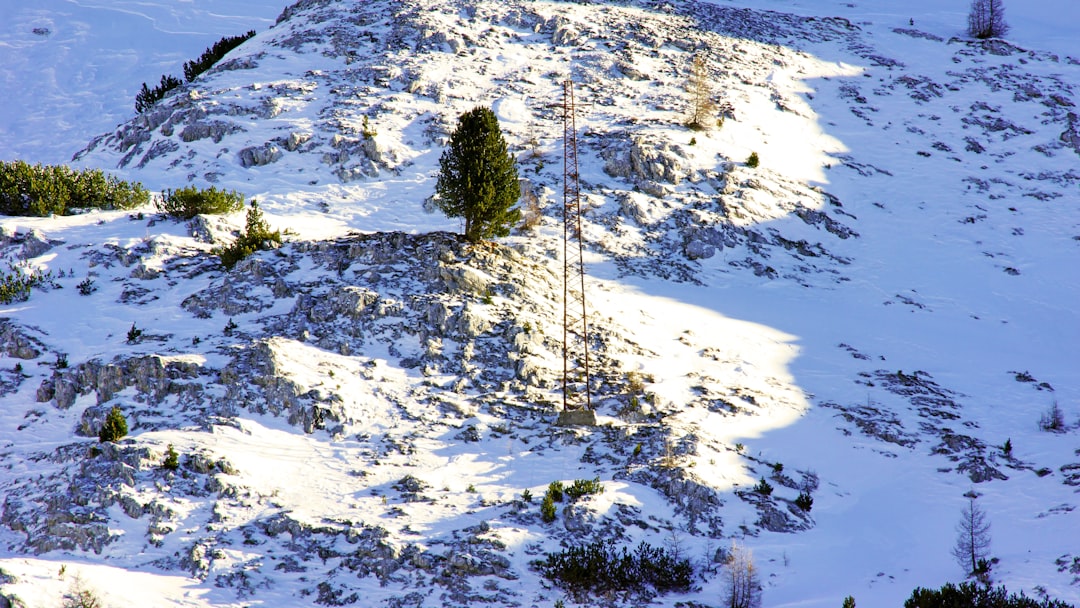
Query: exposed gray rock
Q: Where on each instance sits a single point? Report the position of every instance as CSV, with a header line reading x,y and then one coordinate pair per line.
x,y
150,375
295,140
15,342
257,156
214,129
1071,135
645,158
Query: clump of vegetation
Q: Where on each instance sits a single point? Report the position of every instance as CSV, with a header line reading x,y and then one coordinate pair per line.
x,y
526,495
582,487
849,602
115,426
257,236
367,130
134,334
43,190
804,501
211,55
547,509
753,161
600,568
1053,419
971,594
15,285
763,487
555,491
86,286
147,97
172,459
185,203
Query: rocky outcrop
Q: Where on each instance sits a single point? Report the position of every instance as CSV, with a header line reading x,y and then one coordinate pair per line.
x,y
154,377
16,342
646,159
257,156
1071,135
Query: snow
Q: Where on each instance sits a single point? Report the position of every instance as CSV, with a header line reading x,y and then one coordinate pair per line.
x,y
972,303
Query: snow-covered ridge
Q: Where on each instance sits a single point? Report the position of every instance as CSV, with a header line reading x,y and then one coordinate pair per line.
x,y
867,316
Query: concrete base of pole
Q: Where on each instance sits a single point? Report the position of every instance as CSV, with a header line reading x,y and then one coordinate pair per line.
x,y
580,417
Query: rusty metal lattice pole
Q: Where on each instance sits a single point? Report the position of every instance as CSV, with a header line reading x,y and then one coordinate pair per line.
x,y
576,393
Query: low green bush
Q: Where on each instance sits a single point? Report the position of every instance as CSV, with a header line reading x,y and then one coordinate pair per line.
x,y
42,190
753,161
15,285
189,201
600,568
976,596
581,487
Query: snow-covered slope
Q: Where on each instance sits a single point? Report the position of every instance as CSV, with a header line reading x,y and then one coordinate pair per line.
x,y
868,315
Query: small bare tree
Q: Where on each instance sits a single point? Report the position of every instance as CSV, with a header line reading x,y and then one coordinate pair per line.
x,y
744,586
81,595
972,539
702,107
987,19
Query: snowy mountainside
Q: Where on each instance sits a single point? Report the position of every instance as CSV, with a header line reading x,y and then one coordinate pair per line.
x,y
866,316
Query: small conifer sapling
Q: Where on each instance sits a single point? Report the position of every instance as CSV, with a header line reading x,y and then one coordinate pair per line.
x,y
115,426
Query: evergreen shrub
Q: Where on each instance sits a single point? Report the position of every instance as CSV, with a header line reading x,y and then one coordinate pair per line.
x,y
581,487
189,201
600,568
763,487
976,596
804,501
15,285
115,426
256,237
555,491
42,190
172,459
547,509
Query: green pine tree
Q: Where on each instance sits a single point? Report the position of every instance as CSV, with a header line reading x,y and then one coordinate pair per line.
x,y
478,178
115,426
